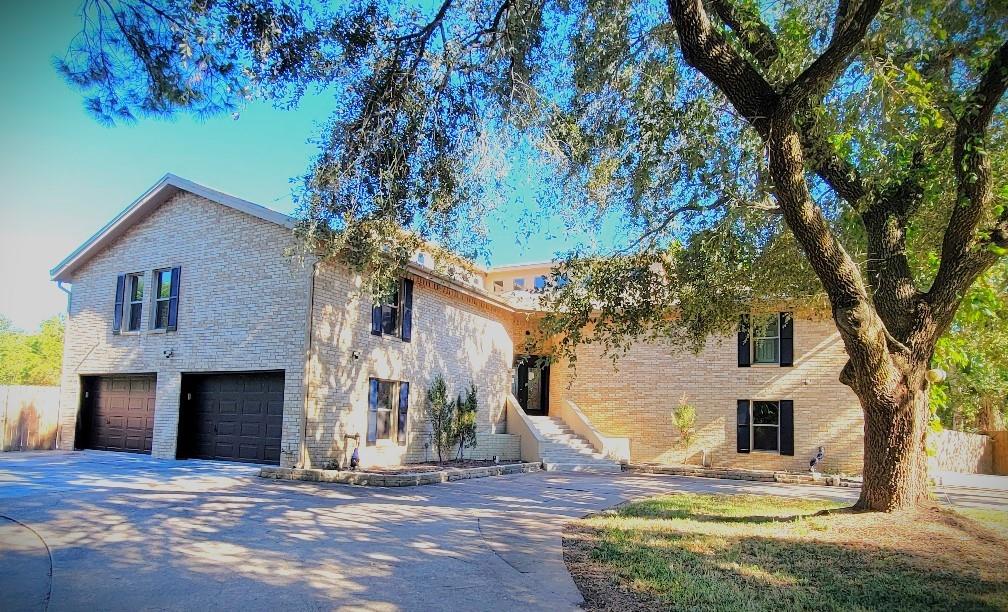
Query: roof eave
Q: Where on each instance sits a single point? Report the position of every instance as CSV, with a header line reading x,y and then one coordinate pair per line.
x,y
160,192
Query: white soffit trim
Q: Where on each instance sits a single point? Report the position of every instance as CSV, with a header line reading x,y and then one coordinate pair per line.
x,y
161,192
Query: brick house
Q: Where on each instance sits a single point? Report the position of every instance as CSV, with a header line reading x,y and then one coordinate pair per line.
x,y
192,333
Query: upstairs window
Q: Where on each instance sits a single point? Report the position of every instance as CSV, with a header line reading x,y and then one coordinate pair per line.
x,y
766,339
519,284
540,283
162,297
134,305
129,299
390,314
498,286
394,315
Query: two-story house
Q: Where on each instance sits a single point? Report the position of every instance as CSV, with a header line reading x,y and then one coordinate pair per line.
x,y
192,334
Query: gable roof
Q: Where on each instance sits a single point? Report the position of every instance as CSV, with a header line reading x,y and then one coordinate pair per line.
x,y
161,192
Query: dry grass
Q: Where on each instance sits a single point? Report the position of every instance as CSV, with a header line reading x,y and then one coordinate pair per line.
x,y
731,552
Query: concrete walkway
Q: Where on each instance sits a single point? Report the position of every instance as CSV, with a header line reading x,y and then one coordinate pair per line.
x,y
129,532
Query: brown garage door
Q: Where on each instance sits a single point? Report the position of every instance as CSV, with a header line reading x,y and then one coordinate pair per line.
x,y
236,417
117,413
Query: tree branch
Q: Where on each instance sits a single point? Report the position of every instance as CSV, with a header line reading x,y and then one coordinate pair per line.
x,y
816,80
756,37
964,257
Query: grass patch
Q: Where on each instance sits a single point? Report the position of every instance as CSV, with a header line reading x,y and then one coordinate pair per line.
x,y
734,552
997,520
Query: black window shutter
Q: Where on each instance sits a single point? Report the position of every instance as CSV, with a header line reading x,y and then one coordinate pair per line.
x,y
742,437
376,319
786,338
372,415
173,299
743,342
407,309
403,412
787,427
120,295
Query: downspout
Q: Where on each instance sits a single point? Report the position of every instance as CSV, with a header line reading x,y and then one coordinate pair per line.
x,y
59,423
302,442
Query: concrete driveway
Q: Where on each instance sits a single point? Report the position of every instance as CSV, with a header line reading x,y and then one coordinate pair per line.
x,y
110,531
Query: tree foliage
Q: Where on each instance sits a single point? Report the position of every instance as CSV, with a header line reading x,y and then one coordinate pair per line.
x,y
747,153
441,416
31,358
465,420
975,355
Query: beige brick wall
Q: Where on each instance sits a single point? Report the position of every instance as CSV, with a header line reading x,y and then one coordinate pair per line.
x,y
636,397
242,306
461,338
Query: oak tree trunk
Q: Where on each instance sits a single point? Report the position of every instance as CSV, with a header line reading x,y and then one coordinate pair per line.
x,y
895,435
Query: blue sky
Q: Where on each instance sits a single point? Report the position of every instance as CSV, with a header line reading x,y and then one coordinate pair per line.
x,y
64,175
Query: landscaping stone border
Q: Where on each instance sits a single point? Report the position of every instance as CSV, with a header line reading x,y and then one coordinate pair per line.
x,y
370,479
829,480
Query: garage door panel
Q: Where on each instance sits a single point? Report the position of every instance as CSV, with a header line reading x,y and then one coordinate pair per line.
x,y
117,413
229,416
252,407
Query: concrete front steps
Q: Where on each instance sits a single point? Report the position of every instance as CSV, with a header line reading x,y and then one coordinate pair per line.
x,y
565,451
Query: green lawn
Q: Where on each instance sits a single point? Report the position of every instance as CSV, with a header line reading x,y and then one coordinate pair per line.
x,y
996,520
713,552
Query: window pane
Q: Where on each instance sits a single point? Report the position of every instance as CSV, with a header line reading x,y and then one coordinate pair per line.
x,y
136,288
765,350
161,315
135,311
766,326
384,395
383,430
540,283
764,438
519,284
390,319
765,413
164,284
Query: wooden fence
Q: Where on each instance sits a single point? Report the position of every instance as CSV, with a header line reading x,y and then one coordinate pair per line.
x,y
1000,454
29,417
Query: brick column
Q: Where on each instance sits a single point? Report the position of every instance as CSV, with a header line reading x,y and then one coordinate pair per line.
x,y
166,414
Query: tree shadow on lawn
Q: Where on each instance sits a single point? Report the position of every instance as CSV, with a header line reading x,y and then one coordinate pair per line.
x,y
723,563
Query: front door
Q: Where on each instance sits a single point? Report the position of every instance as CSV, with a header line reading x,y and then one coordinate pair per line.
x,y
530,383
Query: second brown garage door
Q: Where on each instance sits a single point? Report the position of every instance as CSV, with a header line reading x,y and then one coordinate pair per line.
x,y
235,417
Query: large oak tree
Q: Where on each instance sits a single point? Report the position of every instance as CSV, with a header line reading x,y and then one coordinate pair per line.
x,y
748,153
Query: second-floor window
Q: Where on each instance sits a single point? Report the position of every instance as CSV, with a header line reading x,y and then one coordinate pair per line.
x,y
766,339
134,307
540,283
519,284
162,297
393,316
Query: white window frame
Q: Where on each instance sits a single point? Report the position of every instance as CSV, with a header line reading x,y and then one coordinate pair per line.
x,y
518,284
393,432
128,302
498,286
753,338
753,426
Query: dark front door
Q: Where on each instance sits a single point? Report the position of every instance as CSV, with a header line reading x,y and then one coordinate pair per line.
x,y
235,417
531,383
117,413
